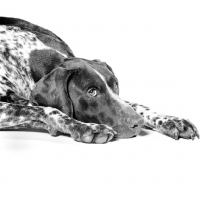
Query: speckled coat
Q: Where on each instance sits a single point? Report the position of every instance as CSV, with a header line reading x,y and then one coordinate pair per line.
x,y
31,57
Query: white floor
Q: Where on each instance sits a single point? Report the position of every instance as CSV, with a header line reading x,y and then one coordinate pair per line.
x,y
153,47
150,166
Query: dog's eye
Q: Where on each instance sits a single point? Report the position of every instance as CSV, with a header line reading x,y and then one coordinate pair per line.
x,y
116,86
92,92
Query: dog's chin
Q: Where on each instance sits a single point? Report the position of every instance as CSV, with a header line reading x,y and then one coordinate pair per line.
x,y
126,132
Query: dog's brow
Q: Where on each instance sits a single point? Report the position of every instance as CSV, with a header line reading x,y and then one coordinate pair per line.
x,y
104,80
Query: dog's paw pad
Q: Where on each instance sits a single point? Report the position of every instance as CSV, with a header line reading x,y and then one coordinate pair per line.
x,y
101,138
102,133
87,137
96,133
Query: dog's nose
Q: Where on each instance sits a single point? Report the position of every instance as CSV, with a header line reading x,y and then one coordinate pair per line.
x,y
130,127
134,122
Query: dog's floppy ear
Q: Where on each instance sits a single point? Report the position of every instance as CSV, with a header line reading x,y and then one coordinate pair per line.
x,y
52,90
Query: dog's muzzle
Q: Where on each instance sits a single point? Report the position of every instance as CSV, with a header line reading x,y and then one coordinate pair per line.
x,y
129,123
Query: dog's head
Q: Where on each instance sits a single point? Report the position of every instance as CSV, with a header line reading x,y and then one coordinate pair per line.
x,y
89,92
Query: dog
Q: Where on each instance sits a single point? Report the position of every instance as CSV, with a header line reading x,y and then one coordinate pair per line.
x,y
43,85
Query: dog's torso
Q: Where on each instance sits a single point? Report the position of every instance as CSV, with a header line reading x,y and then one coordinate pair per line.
x,y
22,54
32,62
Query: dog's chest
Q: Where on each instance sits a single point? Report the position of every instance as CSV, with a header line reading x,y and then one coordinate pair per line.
x,y
16,46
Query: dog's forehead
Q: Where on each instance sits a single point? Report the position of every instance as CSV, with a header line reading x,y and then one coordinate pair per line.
x,y
104,70
92,72
86,76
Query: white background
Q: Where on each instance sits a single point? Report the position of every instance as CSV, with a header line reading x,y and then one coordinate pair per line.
x,y
154,49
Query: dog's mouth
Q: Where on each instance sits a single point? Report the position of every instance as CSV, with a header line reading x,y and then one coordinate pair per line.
x,y
134,126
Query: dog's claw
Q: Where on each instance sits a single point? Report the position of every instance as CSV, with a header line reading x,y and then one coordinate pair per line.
x,y
52,131
111,137
176,135
194,129
192,136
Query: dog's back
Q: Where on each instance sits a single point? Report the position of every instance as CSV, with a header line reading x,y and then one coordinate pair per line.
x,y
27,52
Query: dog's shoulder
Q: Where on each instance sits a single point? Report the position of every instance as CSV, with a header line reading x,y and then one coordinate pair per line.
x,y
47,37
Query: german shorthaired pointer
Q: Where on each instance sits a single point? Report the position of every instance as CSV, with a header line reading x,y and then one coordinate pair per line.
x,y
43,85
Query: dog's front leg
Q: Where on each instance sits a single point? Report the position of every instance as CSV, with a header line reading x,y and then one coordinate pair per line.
x,y
34,124
14,115
171,126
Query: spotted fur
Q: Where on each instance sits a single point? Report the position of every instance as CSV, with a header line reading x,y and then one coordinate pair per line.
x,y
15,47
29,97
18,116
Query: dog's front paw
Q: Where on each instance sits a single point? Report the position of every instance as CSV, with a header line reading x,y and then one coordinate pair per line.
x,y
93,133
80,131
178,128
